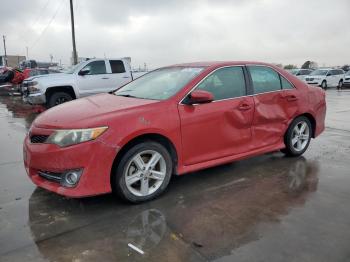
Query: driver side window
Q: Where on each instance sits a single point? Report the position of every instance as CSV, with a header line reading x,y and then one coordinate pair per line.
x,y
225,83
96,67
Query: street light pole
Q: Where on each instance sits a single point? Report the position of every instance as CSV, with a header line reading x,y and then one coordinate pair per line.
x,y
75,58
3,38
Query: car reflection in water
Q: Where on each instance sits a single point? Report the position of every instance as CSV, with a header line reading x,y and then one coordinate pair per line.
x,y
101,228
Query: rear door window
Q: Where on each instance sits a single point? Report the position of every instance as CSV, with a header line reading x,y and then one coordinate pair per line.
x,y
117,66
264,79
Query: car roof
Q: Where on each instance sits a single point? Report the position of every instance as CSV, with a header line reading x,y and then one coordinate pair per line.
x,y
220,64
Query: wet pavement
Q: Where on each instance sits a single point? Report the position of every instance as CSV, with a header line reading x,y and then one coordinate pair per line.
x,y
267,208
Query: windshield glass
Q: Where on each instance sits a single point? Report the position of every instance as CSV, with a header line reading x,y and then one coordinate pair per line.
x,y
72,69
160,84
293,71
319,72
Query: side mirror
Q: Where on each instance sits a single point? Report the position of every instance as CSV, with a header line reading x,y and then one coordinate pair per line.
x,y
84,71
200,97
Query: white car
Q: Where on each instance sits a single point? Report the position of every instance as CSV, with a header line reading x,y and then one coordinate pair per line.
x,y
300,73
326,78
87,78
347,79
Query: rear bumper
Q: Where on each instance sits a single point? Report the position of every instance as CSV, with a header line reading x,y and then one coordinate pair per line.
x,y
95,158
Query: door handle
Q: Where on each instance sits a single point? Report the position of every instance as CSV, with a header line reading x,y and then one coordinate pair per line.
x,y
244,107
291,98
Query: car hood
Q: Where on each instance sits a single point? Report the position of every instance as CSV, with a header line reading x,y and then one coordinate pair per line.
x,y
89,112
42,76
315,76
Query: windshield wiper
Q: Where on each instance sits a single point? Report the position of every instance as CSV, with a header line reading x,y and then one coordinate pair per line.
x,y
126,95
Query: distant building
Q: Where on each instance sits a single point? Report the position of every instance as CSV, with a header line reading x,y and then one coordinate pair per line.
x,y
12,60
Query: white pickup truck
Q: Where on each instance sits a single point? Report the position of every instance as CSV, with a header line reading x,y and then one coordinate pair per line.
x,y
87,78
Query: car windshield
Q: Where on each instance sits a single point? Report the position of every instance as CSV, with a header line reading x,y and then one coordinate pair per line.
x,y
319,72
72,69
159,84
293,71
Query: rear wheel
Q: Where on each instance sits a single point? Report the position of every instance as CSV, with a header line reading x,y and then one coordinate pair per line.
x,y
143,173
298,136
58,98
324,84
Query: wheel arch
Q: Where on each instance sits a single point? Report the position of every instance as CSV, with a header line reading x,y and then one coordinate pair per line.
x,y
311,119
66,88
156,137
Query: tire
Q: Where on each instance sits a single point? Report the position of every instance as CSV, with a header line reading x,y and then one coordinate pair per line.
x,y
324,84
58,98
143,185
297,143
340,84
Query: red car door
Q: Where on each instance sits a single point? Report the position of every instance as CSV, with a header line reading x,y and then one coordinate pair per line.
x,y
222,127
276,103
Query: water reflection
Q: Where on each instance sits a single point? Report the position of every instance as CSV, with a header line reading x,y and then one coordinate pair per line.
x,y
215,222
17,110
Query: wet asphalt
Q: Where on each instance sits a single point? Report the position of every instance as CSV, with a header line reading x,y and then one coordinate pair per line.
x,y
267,208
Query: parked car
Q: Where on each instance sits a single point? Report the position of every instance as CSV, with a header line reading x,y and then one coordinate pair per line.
x,y
87,78
11,75
300,73
30,74
326,78
173,120
347,79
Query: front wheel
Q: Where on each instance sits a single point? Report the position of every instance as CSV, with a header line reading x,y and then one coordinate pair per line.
x,y
324,85
340,84
298,136
143,173
58,98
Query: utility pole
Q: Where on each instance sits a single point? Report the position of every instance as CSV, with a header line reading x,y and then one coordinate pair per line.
x,y
27,52
75,58
3,37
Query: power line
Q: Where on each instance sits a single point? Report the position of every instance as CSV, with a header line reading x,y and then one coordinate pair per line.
x,y
41,13
47,26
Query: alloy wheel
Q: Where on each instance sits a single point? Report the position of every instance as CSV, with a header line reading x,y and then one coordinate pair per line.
x,y
145,173
300,136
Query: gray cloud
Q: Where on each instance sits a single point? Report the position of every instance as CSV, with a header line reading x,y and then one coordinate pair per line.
x,y
165,32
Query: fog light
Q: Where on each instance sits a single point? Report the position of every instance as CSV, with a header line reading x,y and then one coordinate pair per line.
x,y
71,178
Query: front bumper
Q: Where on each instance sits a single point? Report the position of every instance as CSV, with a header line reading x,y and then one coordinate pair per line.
x,y
314,82
94,157
35,99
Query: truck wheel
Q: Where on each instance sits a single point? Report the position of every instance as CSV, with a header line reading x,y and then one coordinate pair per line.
x,y
143,172
58,98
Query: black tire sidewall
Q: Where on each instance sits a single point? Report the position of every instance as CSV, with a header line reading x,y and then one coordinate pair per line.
x,y
289,150
324,84
56,95
118,181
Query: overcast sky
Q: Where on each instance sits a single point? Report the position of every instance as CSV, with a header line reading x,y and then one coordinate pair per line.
x,y
163,32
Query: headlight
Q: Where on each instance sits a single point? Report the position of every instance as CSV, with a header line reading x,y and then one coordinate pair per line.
x,y
33,87
65,138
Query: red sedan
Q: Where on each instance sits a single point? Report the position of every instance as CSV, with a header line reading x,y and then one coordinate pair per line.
x,y
171,121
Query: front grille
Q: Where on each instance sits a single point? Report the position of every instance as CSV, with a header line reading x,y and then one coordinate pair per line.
x,y
56,177
38,139
309,79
